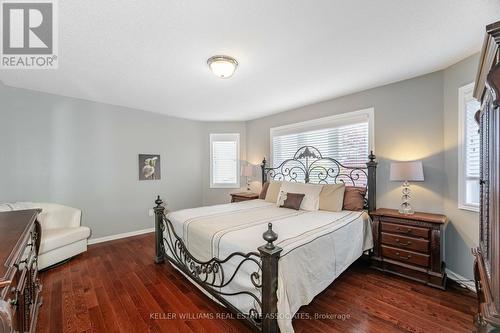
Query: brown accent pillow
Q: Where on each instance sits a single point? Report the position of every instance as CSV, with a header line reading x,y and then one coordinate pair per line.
x,y
293,200
263,192
354,198
331,197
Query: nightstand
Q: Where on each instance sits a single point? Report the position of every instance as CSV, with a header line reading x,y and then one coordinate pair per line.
x,y
409,245
243,196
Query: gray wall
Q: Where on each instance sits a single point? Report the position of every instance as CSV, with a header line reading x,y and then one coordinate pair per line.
x,y
408,126
84,154
414,119
463,232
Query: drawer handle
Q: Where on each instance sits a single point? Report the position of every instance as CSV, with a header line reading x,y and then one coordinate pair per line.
x,y
404,244
408,230
404,258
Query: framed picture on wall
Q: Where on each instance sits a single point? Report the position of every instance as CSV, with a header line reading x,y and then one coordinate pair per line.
x,y
149,167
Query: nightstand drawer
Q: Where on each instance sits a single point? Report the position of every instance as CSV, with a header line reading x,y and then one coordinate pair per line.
x,y
405,256
403,242
404,229
409,245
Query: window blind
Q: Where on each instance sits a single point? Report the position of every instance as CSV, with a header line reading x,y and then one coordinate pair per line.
x,y
346,140
472,140
224,156
471,147
224,162
468,158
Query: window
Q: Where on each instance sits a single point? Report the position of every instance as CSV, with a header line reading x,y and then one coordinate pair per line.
x,y
224,160
468,150
347,137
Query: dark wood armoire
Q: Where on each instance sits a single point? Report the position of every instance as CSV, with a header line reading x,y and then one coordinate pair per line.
x,y
487,263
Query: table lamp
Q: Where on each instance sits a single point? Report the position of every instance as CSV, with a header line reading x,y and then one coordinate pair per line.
x,y
247,171
406,172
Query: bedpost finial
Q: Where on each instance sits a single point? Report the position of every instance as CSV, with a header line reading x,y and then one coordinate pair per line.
x,y
372,157
270,236
264,161
158,201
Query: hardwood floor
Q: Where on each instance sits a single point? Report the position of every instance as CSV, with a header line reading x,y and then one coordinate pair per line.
x,y
116,287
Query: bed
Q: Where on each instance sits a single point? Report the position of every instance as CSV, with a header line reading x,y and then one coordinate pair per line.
x,y
233,253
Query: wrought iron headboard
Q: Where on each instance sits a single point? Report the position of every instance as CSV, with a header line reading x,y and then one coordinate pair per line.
x,y
310,166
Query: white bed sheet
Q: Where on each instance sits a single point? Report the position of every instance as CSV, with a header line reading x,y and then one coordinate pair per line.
x,y
317,247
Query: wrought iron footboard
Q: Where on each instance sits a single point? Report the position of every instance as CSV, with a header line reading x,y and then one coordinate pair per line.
x,y
307,163
211,275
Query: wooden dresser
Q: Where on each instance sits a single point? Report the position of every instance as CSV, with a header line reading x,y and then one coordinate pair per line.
x,y
487,263
19,284
409,245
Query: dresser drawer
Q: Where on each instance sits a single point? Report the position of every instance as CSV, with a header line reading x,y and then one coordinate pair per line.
x,y
404,229
405,256
403,242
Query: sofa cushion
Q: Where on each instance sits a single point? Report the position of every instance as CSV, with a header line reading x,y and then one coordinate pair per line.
x,y
58,237
53,216
7,207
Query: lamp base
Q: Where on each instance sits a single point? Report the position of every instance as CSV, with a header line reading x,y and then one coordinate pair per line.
x,y
405,207
406,210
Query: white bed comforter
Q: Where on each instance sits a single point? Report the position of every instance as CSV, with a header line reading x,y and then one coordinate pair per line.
x,y
317,247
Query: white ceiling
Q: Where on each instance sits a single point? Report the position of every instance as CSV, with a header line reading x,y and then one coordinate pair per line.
x,y
151,54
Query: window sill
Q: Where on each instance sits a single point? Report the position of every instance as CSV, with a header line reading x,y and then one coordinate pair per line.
x,y
230,186
470,208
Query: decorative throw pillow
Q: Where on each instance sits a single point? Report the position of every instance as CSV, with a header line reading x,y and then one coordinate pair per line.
x,y
263,191
290,200
281,198
354,198
331,197
311,191
273,190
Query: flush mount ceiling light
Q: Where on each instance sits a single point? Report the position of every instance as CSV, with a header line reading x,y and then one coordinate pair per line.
x,y
222,66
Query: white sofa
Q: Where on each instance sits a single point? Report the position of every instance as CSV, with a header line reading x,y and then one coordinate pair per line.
x,y
62,235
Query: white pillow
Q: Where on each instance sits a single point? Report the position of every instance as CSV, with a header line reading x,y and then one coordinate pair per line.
x,y
311,191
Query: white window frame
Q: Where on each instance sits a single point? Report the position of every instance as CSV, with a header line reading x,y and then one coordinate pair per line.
x,y
225,137
325,122
465,94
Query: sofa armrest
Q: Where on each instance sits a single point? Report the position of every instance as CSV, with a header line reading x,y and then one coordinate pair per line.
x,y
58,216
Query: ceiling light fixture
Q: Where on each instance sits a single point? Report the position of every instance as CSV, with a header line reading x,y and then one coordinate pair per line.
x,y
222,66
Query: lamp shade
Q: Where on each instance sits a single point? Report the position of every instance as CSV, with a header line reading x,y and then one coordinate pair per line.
x,y
407,171
247,171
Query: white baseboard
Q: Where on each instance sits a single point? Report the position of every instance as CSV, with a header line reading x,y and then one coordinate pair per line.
x,y
464,282
118,236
